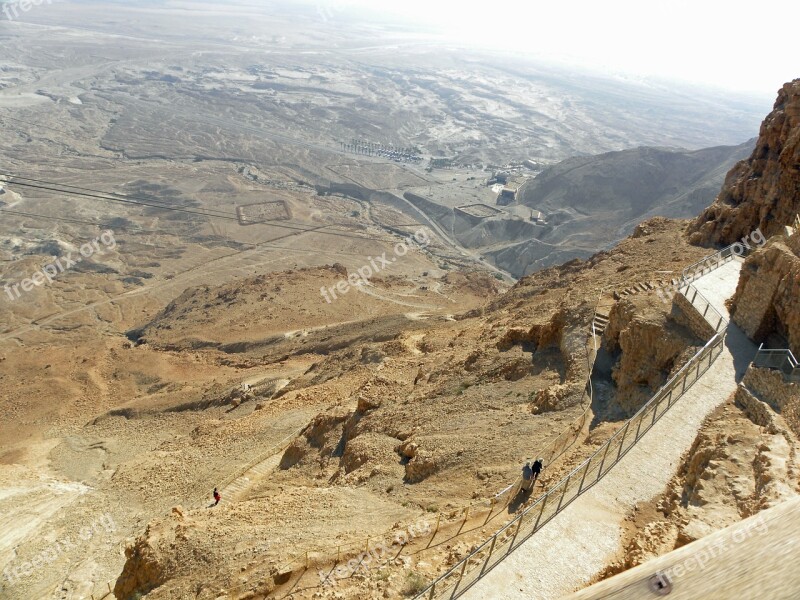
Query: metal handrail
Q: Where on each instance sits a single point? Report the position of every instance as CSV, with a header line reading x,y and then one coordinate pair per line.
x,y
666,391
671,391
721,321
676,382
698,269
779,359
783,351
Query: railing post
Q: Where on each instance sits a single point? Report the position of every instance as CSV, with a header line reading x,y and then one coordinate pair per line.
x,y
585,473
655,412
516,533
564,495
491,549
433,591
461,575
602,462
541,512
639,426
622,441
492,502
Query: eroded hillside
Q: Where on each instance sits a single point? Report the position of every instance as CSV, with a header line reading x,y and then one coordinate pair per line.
x,y
434,419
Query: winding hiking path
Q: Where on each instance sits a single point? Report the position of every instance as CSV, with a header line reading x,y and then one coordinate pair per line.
x,y
578,543
286,429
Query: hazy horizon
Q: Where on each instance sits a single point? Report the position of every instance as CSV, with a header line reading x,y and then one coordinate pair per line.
x,y
712,44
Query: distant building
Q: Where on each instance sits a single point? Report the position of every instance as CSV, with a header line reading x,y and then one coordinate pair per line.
x,y
531,164
508,195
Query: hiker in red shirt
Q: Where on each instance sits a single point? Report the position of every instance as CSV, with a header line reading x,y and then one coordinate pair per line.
x,y
217,497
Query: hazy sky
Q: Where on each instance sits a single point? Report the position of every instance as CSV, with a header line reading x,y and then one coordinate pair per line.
x,y
748,46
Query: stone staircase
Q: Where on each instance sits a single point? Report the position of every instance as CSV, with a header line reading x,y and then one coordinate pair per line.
x,y
666,287
235,491
600,323
237,485
647,286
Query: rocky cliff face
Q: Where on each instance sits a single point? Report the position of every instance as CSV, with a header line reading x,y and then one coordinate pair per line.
x,y
764,190
767,299
648,344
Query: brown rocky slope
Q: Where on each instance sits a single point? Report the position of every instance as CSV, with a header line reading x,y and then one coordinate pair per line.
x,y
437,418
443,414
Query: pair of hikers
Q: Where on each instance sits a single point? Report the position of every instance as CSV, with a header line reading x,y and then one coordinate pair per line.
x,y
530,473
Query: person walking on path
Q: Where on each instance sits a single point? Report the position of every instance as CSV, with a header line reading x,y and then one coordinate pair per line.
x,y
527,477
217,497
538,465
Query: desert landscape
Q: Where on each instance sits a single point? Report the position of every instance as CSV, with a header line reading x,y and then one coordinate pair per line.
x,y
353,277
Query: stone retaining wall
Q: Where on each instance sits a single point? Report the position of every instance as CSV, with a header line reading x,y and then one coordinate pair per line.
x,y
684,313
757,411
769,386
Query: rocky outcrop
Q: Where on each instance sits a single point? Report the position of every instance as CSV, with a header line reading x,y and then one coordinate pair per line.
x,y
551,398
539,335
764,190
735,468
648,345
767,299
422,466
769,386
143,570
167,549
319,439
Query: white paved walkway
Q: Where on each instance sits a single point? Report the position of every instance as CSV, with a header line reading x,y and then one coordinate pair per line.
x,y
720,284
577,544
